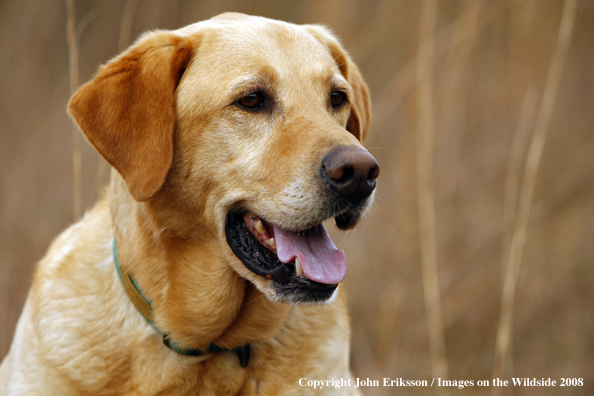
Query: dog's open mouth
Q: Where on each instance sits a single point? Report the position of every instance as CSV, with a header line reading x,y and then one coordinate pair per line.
x,y
306,266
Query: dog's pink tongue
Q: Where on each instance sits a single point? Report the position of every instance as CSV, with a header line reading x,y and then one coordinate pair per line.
x,y
320,259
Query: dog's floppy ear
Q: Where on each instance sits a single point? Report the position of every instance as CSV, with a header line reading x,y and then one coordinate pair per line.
x,y
128,110
360,118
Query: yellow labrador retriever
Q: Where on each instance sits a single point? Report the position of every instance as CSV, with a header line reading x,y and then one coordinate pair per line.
x,y
207,270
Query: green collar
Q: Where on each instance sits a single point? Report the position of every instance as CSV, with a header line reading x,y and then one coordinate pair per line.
x,y
145,307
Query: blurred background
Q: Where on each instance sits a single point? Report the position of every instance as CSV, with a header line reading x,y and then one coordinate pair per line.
x,y
477,259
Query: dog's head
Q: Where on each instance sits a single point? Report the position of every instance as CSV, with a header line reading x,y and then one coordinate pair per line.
x,y
246,132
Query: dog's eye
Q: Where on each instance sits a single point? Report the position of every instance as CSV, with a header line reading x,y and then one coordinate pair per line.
x,y
337,99
251,101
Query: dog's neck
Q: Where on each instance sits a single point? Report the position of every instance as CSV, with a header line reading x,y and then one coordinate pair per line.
x,y
196,297
144,306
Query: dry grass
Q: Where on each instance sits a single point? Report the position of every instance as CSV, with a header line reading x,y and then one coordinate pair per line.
x,y
465,98
426,194
76,138
502,366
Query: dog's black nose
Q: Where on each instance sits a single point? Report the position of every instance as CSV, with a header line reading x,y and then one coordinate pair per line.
x,y
350,172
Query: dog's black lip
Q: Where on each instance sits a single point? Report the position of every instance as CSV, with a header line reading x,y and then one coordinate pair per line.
x,y
347,219
301,290
255,256
264,262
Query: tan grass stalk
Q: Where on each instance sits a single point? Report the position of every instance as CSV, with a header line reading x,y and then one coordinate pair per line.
x,y
514,168
426,196
450,114
511,191
464,38
123,42
76,140
504,331
126,25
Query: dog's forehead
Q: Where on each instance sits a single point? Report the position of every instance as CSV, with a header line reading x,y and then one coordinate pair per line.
x,y
247,27
255,41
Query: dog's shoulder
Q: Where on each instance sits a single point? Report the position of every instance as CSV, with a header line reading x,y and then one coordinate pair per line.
x,y
75,311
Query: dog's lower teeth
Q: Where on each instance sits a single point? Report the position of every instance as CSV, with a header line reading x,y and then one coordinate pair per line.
x,y
298,269
271,243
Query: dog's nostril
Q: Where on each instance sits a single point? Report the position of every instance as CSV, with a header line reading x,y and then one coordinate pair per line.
x,y
350,172
373,173
340,175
